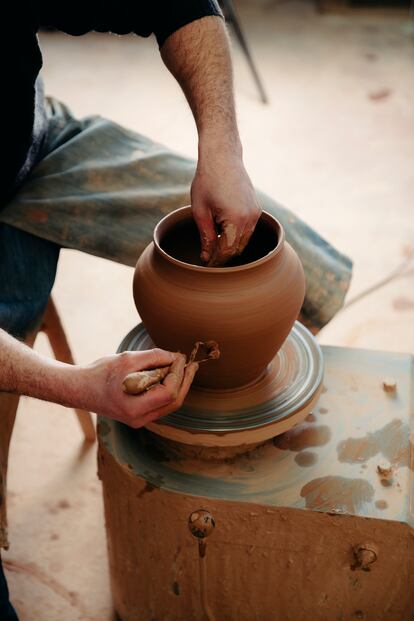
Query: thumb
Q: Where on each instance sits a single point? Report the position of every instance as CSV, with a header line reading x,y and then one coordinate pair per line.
x,y
208,234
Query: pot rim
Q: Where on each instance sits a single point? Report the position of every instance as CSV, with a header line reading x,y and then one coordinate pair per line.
x,y
183,213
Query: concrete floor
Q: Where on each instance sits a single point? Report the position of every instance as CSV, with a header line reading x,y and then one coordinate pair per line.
x,y
335,145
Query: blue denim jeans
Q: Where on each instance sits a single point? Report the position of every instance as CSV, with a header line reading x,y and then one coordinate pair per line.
x,y
27,273
7,612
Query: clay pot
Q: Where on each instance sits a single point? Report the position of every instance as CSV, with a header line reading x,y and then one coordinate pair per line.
x,y
248,307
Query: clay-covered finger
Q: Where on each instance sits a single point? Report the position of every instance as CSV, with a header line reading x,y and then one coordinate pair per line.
x,y
245,238
149,401
164,394
226,246
189,374
207,230
248,228
173,381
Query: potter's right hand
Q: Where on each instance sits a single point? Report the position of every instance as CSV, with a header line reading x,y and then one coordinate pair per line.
x,y
224,203
104,380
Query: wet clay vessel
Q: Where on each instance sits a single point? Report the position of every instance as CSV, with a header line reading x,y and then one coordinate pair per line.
x,y
246,416
248,307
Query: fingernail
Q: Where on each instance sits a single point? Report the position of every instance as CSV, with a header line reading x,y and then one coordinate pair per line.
x,y
205,256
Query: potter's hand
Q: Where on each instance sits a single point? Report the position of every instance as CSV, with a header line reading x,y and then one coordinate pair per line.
x,y
105,378
97,387
224,202
225,206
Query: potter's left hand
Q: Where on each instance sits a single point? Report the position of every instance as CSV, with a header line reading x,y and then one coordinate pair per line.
x,y
225,206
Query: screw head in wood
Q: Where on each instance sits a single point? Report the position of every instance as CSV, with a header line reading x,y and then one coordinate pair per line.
x,y
365,555
201,523
385,470
389,385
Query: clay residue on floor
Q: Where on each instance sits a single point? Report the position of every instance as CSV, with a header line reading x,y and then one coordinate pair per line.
x,y
380,94
49,581
303,436
306,458
403,303
391,441
337,494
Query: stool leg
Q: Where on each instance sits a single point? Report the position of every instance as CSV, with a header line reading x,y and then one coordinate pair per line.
x,y
8,409
53,328
231,14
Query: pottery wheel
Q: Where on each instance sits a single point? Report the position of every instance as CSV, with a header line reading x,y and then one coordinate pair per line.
x,y
272,404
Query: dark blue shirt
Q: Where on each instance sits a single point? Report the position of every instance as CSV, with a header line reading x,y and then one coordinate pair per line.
x,y
22,111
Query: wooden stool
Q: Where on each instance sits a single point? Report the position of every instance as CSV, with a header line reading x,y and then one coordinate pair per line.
x,y
52,327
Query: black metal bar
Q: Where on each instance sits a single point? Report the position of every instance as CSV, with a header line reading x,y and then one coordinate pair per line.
x,y
232,18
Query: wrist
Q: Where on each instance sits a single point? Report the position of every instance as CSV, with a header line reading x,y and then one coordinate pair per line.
x,y
220,142
60,383
76,387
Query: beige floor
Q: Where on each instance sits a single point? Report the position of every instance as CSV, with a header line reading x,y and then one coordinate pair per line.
x,y
335,145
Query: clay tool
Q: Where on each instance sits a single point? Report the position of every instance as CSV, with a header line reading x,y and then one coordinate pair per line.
x,y
140,381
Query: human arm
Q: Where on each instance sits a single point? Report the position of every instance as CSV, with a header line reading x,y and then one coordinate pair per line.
x,y
223,198
97,386
195,48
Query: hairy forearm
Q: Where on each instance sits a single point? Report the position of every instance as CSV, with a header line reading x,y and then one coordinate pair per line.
x,y
25,372
198,56
97,386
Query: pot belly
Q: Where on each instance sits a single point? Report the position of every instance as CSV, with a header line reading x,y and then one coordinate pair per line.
x,y
249,316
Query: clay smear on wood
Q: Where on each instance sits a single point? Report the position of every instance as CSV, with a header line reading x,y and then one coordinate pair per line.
x,y
141,381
